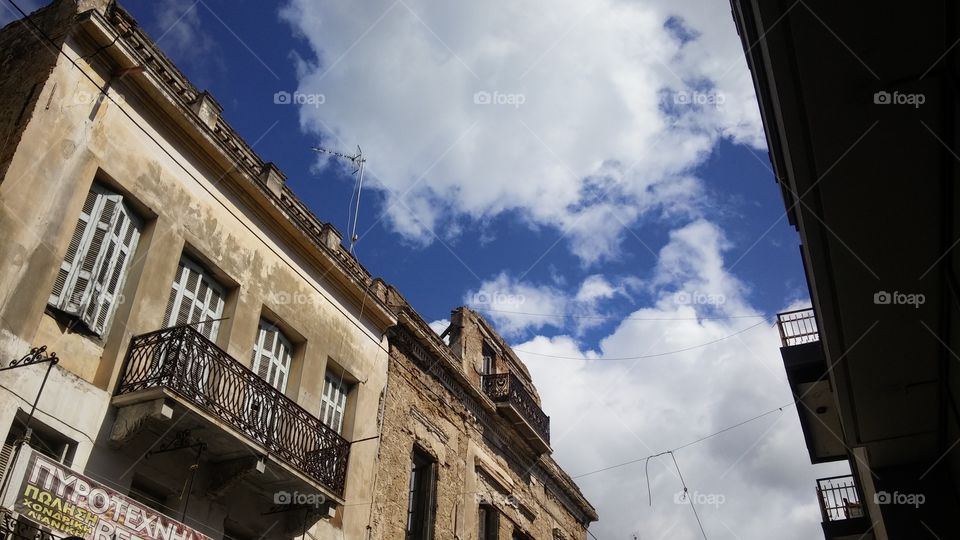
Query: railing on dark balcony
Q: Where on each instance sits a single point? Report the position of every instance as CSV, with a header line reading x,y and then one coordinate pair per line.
x,y
839,498
797,327
183,361
507,388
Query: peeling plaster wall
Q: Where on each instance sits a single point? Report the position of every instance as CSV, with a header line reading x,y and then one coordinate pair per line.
x,y
187,205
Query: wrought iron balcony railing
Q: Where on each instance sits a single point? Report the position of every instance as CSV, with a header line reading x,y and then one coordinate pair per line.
x,y
182,360
506,388
839,498
797,327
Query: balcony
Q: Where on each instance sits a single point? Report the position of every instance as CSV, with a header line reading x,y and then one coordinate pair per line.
x,y
236,412
808,374
841,508
797,327
515,403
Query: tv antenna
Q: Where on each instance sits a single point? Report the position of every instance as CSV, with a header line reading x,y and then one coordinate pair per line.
x,y
357,160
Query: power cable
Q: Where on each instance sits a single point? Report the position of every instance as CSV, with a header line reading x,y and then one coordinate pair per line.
x,y
655,355
691,443
687,493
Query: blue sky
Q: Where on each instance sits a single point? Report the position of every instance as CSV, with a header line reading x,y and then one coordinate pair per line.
x,y
600,165
246,54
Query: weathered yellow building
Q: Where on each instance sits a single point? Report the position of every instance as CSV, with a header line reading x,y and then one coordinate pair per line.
x,y
223,361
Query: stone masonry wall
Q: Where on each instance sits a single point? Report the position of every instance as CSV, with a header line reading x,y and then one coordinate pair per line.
x,y
419,410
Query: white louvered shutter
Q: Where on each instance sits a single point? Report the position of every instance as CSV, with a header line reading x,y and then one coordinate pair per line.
x,y
97,259
333,402
75,250
271,356
195,296
117,251
6,455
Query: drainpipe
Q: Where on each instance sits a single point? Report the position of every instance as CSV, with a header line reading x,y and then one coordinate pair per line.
x,y
376,459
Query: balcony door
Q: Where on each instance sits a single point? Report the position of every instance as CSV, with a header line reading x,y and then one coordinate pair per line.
x,y
271,362
272,356
196,299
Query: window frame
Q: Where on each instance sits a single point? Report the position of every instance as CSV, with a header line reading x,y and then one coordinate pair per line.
x,y
421,497
488,522
339,384
180,291
488,362
280,341
90,279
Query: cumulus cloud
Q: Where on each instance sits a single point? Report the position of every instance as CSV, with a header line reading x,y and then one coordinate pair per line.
x,y
439,325
742,480
577,115
516,306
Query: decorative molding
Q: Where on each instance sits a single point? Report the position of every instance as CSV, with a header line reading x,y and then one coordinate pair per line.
x,y
431,427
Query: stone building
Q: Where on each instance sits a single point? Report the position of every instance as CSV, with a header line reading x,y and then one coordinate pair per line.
x,y
224,366
465,420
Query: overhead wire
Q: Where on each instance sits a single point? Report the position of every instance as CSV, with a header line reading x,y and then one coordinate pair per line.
x,y
59,51
686,492
691,443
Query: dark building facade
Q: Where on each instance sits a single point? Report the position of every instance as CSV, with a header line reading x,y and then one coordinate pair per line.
x,y
860,107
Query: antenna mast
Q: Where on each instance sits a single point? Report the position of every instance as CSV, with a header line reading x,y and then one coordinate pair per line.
x,y
358,160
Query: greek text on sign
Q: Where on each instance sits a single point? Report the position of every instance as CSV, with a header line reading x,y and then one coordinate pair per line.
x,y
55,496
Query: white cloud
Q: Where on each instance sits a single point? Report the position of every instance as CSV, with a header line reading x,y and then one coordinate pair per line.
x,y
439,325
516,306
604,109
629,409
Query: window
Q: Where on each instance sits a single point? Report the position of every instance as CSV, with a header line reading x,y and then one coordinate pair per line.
x,y
195,296
421,496
489,523
520,535
44,439
489,365
333,401
97,259
271,355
